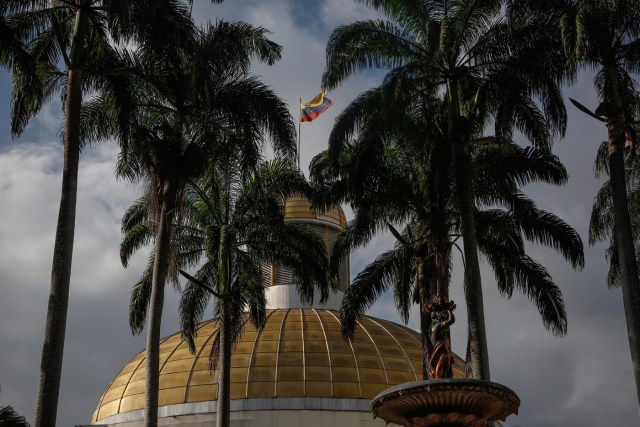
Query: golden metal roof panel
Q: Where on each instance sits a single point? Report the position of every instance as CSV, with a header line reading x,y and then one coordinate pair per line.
x,y
260,389
170,396
135,387
121,380
108,409
346,389
203,393
317,388
128,403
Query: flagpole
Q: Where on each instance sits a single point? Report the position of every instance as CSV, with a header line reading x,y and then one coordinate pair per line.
x,y
300,113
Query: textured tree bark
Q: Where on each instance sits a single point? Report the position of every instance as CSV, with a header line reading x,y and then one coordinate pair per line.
x,y
53,348
478,353
478,350
223,414
56,323
160,269
425,320
625,248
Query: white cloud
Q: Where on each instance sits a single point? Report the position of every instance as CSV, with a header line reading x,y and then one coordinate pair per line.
x,y
342,12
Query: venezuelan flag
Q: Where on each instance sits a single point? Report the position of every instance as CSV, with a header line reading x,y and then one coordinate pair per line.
x,y
314,108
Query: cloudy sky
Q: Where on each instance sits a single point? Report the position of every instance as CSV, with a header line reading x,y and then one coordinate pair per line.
x,y
584,378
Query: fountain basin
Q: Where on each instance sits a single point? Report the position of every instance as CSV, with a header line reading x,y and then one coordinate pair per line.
x,y
445,403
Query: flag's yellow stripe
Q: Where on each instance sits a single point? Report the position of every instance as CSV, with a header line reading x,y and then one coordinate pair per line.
x,y
318,100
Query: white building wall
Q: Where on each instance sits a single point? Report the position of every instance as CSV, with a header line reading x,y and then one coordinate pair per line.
x,y
287,296
274,418
262,412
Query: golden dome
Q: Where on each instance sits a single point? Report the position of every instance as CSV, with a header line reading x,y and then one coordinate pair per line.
x,y
299,353
298,207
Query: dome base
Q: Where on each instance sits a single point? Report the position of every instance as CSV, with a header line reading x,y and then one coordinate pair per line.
x,y
264,418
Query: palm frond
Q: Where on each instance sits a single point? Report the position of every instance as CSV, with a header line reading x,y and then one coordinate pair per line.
x,y
139,301
10,418
367,287
364,45
192,306
547,229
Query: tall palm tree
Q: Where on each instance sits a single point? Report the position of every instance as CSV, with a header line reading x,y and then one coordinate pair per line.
x,y
240,224
485,67
10,418
13,53
605,36
405,150
192,104
233,222
71,43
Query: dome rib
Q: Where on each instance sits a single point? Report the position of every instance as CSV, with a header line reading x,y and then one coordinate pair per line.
x,y
355,359
197,357
164,363
304,357
275,381
326,342
407,332
399,345
253,350
384,368
127,383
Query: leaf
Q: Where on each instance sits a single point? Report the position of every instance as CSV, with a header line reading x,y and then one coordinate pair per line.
x,y
586,110
198,283
397,235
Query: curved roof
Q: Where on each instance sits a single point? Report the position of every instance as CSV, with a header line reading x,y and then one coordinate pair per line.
x,y
299,353
298,207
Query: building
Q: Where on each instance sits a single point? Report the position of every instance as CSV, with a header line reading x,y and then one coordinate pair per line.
x,y
297,370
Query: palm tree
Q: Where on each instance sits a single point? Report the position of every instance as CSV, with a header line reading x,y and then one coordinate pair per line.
x,y
10,418
14,56
404,150
486,69
71,44
605,36
240,224
233,221
13,53
193,105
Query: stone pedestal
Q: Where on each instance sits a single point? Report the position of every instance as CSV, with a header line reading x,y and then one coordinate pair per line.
x,y
445,403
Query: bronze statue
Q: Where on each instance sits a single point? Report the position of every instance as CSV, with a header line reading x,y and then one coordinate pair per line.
x,y
441,360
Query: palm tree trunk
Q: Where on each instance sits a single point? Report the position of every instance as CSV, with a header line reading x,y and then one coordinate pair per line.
x,y
425,320
624,239
223,414
54,335
160,269
478,351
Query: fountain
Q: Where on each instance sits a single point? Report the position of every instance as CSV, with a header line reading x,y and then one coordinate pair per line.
x,y
444,401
